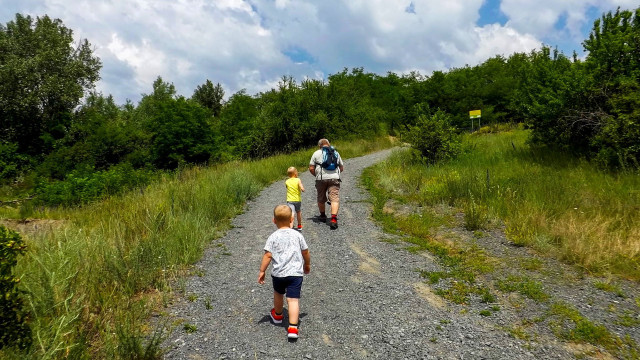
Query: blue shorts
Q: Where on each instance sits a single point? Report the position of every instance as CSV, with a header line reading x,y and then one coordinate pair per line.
x,y
290,285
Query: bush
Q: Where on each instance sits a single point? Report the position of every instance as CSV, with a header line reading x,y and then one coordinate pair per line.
x,y
13,317
81,187
10,160
434,137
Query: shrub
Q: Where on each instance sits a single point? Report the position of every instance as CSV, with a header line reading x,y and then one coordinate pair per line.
x,y
78,187
434,137
475,215
13,317
10,160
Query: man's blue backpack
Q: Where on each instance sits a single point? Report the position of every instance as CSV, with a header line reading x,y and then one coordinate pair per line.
x,y
329,158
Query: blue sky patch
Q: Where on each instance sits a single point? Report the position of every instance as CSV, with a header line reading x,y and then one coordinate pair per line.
x,y
298,55
490,13
411,9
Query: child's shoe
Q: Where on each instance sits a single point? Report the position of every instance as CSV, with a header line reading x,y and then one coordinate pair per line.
x,y
277,319
299,227
292,332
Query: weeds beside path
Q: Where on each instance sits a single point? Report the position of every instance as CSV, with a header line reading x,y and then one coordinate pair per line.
x,y
93,280
532,297
363,298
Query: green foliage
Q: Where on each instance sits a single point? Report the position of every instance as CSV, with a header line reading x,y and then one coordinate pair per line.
x,y
13,316
190,328
434,137
591,107
609,287
614,65
525,286
209,96
134,344
42,79
571,325
81,187
475,215
180,129
10,160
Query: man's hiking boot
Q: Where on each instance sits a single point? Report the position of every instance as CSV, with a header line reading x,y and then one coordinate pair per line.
x,y
292,332
277,319
322,217
333,224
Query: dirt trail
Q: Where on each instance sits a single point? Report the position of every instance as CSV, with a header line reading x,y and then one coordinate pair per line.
x,y
363,298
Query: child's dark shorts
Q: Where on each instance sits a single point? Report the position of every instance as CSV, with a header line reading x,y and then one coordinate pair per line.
x,y
290,285
295,206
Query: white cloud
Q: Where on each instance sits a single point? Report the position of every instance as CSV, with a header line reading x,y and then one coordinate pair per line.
x,y
539,17
146,61
242,43
493,40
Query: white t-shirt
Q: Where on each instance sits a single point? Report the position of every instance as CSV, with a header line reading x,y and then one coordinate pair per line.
x,y
286,246
322,173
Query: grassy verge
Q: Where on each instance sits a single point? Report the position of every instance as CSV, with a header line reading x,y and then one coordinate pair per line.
x,y
463,264
531,192
551,202
93,283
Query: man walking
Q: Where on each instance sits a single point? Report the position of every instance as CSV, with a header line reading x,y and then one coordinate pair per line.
x,y
326,165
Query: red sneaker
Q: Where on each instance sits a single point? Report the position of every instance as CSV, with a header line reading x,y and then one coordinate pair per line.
x,y
299,227
277,319
292,332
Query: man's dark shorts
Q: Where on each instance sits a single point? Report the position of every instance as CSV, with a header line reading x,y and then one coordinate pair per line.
x,y
290,285
330,187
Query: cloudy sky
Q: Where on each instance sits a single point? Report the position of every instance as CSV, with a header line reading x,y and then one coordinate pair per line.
x,y
250,44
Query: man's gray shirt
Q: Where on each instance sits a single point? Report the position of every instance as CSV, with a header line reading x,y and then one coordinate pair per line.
x,y
286,246
322,173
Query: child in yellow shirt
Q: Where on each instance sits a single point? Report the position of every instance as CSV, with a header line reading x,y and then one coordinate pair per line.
x,y
294,198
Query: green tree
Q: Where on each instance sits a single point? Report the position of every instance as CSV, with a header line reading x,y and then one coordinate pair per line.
x,y
42,79
433,136
209,96
614,65
180,129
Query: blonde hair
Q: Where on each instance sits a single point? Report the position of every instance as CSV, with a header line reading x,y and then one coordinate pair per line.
x,y
282,215
292,171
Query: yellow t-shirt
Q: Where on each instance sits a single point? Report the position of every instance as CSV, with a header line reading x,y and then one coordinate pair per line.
x,y
293,189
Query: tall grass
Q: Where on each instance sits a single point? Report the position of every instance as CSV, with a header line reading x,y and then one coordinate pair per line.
x,y
547,200
93,283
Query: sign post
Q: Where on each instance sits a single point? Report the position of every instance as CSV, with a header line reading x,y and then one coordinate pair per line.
x,y
475,114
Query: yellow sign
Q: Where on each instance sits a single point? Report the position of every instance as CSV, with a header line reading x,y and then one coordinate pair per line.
x,y
474,114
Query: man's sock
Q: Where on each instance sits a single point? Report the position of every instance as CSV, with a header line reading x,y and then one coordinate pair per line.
x,y
334,217
280,313
294,325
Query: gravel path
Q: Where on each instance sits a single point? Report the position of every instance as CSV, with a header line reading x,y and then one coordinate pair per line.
x,y
363,298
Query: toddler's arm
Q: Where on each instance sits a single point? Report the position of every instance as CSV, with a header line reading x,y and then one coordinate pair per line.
x,y
301,187
307,261
266,260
